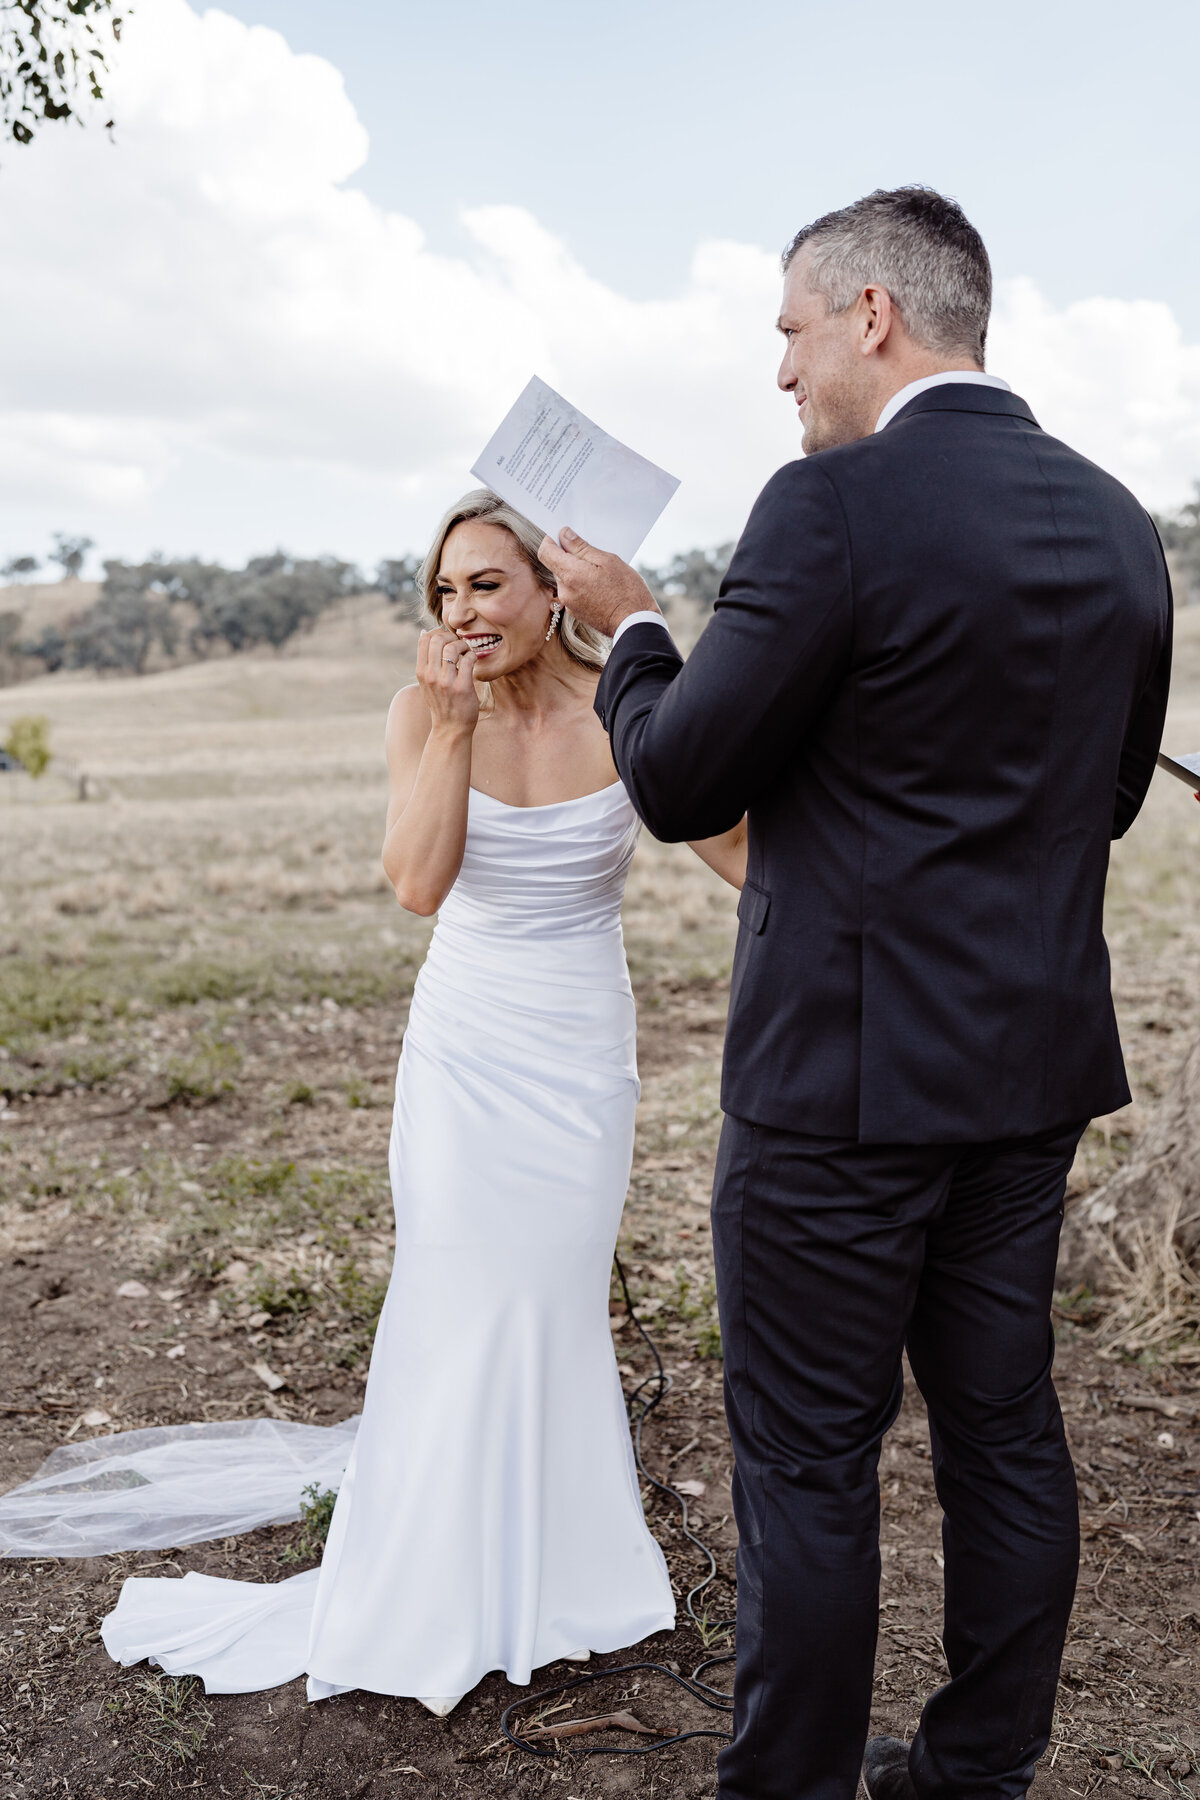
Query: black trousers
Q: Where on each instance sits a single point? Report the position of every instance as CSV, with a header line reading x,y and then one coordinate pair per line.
x,y
832,1258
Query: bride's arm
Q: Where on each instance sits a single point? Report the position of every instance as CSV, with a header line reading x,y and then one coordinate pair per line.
x,y
429,734
726,854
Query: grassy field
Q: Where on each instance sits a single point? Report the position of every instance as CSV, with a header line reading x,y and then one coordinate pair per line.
x,y
203,986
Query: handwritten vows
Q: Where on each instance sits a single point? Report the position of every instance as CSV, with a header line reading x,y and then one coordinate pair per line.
x,y
556,467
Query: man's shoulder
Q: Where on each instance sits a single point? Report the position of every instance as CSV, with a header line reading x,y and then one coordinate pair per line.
x,y
955,449
962,454
955,439
803,483
818,494
1060,459
818,476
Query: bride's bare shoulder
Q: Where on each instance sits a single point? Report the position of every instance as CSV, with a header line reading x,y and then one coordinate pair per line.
x,y
408,717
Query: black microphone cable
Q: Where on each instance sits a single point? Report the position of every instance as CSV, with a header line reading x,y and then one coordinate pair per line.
x,y
659,1383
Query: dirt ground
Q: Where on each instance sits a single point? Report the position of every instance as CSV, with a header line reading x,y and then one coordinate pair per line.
x,y
202,994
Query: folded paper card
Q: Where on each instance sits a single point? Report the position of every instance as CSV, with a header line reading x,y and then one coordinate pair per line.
x,y
557,468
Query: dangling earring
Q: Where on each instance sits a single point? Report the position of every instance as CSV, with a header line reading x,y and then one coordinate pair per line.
x,y
555,615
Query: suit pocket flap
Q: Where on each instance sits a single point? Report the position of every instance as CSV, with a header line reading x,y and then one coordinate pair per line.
x,y
753,907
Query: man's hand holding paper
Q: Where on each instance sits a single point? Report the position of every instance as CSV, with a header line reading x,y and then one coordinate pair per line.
x,y
595,585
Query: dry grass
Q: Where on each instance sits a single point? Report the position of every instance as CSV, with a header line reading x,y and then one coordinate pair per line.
x,y
1154,1311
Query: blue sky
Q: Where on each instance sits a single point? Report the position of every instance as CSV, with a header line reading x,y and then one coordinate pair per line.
x,y
330,243
633,130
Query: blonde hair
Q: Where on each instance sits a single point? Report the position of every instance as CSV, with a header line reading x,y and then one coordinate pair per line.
x,y
581,643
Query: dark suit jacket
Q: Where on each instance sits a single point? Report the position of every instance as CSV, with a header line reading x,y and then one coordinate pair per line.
x,y
936,679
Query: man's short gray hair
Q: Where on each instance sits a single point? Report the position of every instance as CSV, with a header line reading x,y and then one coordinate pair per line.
x,y
918,245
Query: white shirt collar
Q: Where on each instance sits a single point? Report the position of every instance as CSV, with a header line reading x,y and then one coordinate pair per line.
x,y
974,377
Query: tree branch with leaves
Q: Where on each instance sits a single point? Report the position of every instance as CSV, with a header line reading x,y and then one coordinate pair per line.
x,y
53,56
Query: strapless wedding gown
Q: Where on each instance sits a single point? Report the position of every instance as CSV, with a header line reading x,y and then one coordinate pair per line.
x,y
489,1516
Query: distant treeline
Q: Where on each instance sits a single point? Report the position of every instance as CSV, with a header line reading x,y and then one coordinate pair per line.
x,y
167,611
186,610
164,611
1180,533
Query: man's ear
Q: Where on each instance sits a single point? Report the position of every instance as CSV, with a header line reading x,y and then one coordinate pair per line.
x,y
878,316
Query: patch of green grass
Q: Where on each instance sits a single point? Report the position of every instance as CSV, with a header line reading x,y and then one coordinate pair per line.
x,y
299,1232
1079,1305
197,979
39,998
169,1716
242,1208
95,1067
360,1300
686,1304
715,1634
361,1092
298,1093
701,955
48,1072
708,1339
316,1513
293,1294
1165,1762
287,978
237,1179
697,1307
45,995
56,1178
207,1074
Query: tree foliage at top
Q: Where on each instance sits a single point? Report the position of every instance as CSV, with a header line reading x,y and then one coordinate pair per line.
x,y
52,52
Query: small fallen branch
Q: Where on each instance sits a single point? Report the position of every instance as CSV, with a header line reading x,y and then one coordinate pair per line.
x,y
614,1721
1171,1409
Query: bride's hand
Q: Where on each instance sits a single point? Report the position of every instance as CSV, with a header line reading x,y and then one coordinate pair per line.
x,y
446,675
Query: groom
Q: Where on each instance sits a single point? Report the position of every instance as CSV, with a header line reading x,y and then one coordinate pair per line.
x,y
936,680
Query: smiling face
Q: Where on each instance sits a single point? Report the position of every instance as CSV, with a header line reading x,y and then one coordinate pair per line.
x,y
834,383
488,595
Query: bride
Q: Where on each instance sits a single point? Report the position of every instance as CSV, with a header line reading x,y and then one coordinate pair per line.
x,y
489,1517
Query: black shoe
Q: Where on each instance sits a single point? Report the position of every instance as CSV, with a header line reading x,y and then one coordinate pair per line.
x,y
885,1770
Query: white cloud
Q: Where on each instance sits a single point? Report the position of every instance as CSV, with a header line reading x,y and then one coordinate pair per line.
x,y
1112,377
77,457
224,346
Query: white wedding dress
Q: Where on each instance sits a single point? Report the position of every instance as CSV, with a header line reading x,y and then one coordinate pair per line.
x,y
489,1516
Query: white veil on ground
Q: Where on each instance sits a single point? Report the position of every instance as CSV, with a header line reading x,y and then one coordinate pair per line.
x,y
169,1485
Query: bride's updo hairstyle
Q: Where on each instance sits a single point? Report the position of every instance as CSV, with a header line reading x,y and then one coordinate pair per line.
x,y
581,643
